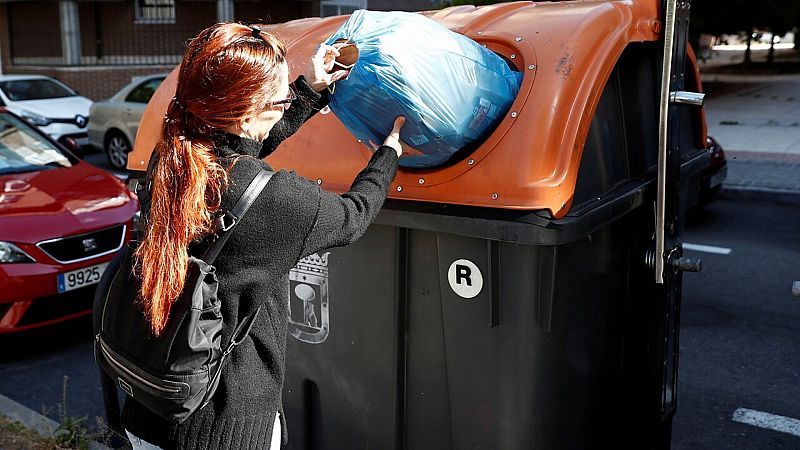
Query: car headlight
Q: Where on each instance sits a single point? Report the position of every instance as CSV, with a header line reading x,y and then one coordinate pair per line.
x,y
35,119
10,253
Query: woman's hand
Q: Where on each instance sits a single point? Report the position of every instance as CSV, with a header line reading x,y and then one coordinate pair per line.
x,y
393,140
319,75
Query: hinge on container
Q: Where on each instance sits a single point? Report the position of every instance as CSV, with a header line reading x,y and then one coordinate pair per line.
x,y
676,260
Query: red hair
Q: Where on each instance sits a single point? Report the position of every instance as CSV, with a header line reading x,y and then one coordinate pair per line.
x,y
228,72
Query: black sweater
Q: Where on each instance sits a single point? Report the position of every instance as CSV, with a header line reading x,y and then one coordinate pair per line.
x,y
291,219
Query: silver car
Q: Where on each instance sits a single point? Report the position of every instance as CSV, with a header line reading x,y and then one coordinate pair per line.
x,y
115,121
47,103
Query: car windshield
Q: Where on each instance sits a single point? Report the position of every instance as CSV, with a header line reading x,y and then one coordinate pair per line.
x,y
35,89
22,149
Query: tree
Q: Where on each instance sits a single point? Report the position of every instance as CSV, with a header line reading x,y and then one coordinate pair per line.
x,y
718,17
779,17
736,16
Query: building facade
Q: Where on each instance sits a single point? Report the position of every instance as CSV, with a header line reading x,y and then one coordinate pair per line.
x,y
96,47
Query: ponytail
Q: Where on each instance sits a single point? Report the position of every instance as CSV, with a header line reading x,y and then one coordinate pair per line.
x,y
181,211
228,71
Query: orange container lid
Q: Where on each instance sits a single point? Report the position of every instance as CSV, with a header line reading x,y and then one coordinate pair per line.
x,y
566,52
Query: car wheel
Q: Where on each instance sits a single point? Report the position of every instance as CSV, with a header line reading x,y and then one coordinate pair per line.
x,y
117,149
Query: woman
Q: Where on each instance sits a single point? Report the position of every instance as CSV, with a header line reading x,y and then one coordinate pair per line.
x,y
233,106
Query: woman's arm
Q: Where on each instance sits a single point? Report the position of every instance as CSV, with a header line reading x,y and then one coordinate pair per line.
x,y
342,219
312,95
307,104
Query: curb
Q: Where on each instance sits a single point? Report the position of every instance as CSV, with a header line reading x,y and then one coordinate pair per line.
x,y
26,416
761,194
775,158
43,425
707,77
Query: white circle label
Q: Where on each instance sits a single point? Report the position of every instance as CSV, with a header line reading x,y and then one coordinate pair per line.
x,y
465,278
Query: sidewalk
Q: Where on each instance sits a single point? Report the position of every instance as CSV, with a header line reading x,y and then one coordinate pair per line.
x,y
756,119
758,173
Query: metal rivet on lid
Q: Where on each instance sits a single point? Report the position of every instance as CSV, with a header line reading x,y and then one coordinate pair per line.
x,y
480,33
518,39
532,66
421,181
399,188
471,162
514,114
319,181
494,196
513,56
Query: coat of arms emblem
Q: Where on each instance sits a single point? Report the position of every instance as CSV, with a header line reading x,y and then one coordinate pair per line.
x,y
308,299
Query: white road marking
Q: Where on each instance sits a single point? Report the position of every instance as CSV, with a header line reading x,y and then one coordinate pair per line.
x,y
707,248
766,420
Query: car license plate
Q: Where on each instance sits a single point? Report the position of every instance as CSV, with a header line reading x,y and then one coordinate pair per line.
x,y
75,279
84,141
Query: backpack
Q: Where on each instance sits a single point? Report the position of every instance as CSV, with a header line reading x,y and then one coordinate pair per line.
x,y
176,373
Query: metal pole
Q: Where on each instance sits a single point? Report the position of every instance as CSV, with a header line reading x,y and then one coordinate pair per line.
x,y
669,31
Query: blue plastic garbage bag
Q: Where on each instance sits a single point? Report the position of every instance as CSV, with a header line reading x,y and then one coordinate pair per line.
x,y
452,91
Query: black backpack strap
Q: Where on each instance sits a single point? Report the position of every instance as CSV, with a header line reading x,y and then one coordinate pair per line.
x,y
143,191
144,185
230,218
238,336
224,224
242,330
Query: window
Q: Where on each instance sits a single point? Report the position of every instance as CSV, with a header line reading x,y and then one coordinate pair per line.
x,y
143,92
155,11
35,89
340,7
24,150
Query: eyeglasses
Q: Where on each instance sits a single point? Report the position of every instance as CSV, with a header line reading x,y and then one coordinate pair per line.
x,y
285,103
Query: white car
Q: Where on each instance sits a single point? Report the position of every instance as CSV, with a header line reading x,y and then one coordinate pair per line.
x,y
47,103
116,120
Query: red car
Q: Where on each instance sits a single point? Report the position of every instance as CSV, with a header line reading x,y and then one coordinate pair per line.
x,y
61,222
714,175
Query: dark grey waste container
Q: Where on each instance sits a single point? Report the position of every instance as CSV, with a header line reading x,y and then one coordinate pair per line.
x,y
449,326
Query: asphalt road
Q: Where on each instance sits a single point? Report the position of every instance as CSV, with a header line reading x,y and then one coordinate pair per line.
x,y
740,326
52,371
99,159
739,336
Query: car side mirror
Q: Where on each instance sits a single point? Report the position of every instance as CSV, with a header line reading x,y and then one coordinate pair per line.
x,y
72,146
